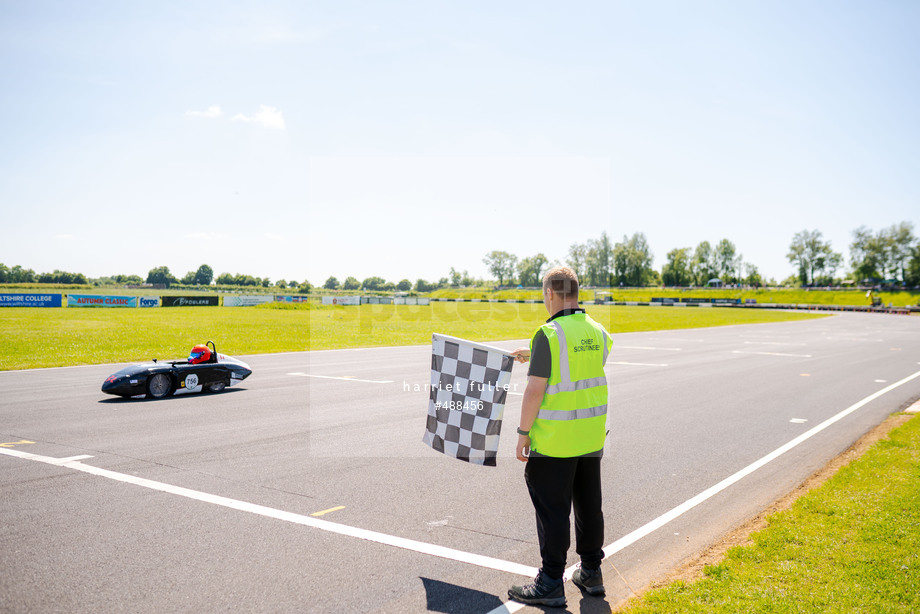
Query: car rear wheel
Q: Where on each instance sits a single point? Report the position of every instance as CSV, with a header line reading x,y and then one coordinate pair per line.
x,y
159,386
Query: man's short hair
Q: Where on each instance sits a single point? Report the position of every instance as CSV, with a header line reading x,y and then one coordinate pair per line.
x,y
563,281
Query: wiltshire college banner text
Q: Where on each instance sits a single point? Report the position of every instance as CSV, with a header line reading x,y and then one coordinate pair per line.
x,y
30,300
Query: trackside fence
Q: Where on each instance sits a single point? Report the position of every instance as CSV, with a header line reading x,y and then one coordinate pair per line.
x,y
37,299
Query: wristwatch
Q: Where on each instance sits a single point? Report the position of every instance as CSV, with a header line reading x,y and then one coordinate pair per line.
x,y
523,432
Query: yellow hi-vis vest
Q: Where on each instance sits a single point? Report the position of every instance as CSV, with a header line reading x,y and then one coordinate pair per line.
x,y
573,415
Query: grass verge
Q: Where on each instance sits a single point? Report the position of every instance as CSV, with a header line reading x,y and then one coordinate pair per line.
x,y
851,545
59,337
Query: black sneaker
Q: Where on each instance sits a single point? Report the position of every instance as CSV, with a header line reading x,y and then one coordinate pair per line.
x,y
590,581
543,591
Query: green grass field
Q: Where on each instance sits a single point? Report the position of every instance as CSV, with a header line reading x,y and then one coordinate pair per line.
x,y
60,337
852,545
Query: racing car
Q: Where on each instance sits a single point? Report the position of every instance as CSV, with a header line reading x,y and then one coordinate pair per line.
x,y
205,370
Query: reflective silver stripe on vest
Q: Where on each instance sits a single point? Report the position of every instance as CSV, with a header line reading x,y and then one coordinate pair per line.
x,y
582,384
572,414
566,384
564,375
606,350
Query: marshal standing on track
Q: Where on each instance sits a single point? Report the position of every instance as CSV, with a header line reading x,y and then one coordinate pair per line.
x,y
561,438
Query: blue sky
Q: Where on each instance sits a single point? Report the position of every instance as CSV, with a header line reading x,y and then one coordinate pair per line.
x,y
299,140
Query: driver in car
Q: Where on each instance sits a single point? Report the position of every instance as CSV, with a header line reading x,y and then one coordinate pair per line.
x,y
200,353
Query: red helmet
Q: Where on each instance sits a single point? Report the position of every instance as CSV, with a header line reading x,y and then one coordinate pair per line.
x,y
200,353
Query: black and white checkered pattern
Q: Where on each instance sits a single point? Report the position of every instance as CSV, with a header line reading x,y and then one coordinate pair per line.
x,y
468,390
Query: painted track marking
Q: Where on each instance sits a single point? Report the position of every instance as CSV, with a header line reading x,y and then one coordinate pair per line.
x,y
772,354
645,347
345,378
21,442
689,504
261,510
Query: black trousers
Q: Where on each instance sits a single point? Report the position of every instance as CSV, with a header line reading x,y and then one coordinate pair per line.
x,y
557,485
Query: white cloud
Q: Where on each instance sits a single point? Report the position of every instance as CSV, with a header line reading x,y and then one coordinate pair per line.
x,y
268,117
211,113
65,237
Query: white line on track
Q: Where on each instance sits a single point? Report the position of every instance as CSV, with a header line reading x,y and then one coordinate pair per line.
x,y
261,510
345,378
636,364
772,354
69,459
689,504
645,347
771,343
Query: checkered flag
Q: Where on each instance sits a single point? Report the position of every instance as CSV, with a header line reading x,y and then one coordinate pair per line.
x,y
469,383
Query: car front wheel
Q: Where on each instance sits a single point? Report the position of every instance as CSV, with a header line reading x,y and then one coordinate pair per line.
x,y
159,386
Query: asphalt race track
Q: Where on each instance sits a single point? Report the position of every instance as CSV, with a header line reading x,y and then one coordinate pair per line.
x,y
307,488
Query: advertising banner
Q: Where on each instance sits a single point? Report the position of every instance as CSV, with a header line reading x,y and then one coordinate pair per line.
x,y
292,299
247,301
97,300
190,301
148,301
411,300
341,300
29,300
